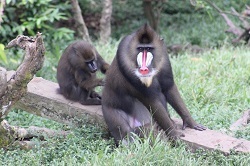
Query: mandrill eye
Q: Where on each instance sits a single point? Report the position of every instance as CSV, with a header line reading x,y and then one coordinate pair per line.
x,y
140,49
149,48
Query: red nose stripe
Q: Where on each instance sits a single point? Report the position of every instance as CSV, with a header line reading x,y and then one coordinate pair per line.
x,y
144,69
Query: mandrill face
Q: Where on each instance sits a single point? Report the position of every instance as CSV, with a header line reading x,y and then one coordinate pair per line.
x,y
142,54
145,69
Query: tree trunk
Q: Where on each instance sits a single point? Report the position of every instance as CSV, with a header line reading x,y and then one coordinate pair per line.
x,y
82,31
105,24
2,4
149,14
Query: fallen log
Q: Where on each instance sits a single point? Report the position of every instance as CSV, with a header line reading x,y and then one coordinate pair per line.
x,y
43,99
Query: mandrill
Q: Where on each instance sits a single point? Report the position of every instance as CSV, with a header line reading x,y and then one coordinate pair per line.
x,y
138,85
76,73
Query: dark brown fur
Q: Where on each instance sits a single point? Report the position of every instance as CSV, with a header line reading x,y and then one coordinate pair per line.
x,y
76,73
130,101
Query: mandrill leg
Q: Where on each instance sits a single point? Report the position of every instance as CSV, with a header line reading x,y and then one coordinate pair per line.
x,y
118,123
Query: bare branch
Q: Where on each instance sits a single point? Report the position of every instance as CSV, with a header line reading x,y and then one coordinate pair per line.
x,y
21,136
16,87
232,28
245,23
245,36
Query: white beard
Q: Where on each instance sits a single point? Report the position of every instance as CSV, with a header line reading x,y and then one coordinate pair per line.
x,y
146,79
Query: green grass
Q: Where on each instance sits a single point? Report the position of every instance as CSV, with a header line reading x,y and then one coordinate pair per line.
x,y
214,85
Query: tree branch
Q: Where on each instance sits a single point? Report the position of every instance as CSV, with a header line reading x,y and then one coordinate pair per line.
x,y
15,88
232,28
15,135
241,34
245,23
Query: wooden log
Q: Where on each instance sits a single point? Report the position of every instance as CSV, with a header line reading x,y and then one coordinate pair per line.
x,y
213,140
43,99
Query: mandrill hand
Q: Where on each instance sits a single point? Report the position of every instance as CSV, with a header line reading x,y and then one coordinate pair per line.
x,y
94,94
193,125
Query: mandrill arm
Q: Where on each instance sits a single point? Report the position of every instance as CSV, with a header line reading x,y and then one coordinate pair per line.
x,y
86,81
174,99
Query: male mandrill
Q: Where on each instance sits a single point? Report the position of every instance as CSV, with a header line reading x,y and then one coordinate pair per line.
x,y
138,84
76,73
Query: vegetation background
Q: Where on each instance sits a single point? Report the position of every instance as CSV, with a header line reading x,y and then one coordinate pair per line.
x,y
214,83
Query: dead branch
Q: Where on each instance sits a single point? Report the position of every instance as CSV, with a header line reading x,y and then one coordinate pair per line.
x,y
15,135
19,133
247,11
241,34
232,28
244,36
245,23
16,87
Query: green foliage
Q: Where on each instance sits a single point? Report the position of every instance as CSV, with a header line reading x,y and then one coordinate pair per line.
x,y
13,58
180,23
127,15
39,16
3,58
